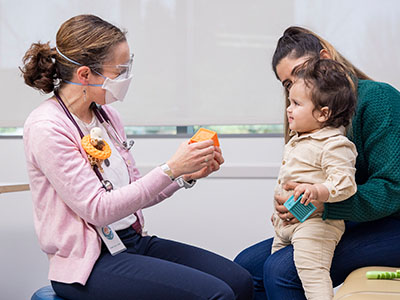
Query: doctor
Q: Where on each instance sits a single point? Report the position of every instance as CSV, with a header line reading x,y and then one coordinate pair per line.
x,y
89,222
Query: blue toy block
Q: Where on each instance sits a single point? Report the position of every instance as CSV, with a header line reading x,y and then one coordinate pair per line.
x,y
299,210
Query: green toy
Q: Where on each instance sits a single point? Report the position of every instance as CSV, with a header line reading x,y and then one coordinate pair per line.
x,y
383,274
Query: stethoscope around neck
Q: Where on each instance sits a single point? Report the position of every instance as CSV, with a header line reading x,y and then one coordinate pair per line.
x,y
103,118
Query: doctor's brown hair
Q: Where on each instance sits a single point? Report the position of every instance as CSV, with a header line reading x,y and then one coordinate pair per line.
x,y
86,39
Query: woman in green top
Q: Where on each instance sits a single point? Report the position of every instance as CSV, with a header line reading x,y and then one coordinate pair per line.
x,y
372,215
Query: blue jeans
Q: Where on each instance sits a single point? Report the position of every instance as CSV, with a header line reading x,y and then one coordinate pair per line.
x,y
363,244
154,268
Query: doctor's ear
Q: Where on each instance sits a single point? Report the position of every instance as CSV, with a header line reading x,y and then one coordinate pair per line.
x,y
83,74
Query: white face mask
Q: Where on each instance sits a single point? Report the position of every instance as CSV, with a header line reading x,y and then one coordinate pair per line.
x,y
116,88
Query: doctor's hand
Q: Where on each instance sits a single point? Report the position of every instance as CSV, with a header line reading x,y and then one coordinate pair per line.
x,y
217,161
191,158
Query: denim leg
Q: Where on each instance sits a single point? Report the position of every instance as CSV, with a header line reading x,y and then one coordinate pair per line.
x,y
154,268
375,243
237,278
131,276
274,276
281,280
362,244
253,259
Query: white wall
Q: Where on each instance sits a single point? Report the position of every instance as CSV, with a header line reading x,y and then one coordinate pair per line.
x,y
224,213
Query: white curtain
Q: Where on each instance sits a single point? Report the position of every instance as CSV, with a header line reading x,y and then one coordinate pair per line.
x,y
201,62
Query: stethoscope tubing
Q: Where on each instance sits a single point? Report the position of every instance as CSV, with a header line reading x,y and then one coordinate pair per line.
x,y
103,118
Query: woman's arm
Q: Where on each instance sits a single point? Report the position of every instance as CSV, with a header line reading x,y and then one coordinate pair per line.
x,y
376,133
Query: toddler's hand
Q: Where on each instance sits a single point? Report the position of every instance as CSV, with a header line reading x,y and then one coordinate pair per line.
x,y
317,192
309,191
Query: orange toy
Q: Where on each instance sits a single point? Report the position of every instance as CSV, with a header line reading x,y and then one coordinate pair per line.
x,y
204,134
94,152
95,156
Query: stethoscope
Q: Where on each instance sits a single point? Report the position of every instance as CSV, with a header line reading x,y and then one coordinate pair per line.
x,y
103,118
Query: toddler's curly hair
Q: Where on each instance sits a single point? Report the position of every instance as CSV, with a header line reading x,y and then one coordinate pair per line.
x,y
330,86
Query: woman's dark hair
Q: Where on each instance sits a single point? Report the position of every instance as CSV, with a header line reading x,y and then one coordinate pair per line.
x,y
297,42
330,86
86,39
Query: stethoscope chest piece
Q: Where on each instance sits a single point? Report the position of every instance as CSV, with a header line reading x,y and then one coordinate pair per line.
x,y
107,185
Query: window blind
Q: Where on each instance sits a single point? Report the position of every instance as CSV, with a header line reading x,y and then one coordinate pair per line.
x,y
201,62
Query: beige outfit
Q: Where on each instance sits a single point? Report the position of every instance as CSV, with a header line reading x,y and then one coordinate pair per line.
x,y
325,157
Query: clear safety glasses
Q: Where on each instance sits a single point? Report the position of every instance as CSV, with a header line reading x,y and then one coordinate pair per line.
x,y
124,70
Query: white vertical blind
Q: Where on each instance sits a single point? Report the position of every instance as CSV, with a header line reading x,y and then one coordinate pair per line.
x,y
201,62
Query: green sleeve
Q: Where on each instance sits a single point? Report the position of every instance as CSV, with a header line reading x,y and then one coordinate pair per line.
x,y
376,133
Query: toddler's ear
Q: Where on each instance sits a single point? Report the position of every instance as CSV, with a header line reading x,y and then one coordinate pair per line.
x,y
323,114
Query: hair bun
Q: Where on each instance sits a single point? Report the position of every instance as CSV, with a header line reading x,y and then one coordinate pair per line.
x,y
39,69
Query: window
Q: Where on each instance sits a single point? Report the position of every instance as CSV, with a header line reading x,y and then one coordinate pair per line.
x,y
272,129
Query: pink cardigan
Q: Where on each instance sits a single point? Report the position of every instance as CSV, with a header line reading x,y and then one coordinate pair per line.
x,y
69,199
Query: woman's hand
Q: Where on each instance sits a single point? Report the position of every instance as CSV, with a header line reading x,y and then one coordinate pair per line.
x,y
282,211
213,167
191,158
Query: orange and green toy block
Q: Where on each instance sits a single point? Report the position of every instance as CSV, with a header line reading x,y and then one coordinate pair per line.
x,y
205,134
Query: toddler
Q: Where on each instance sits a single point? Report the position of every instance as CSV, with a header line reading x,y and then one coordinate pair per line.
x,y
322,160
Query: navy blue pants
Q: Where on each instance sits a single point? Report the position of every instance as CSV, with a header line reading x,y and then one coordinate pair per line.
x,y
275,277
154,268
